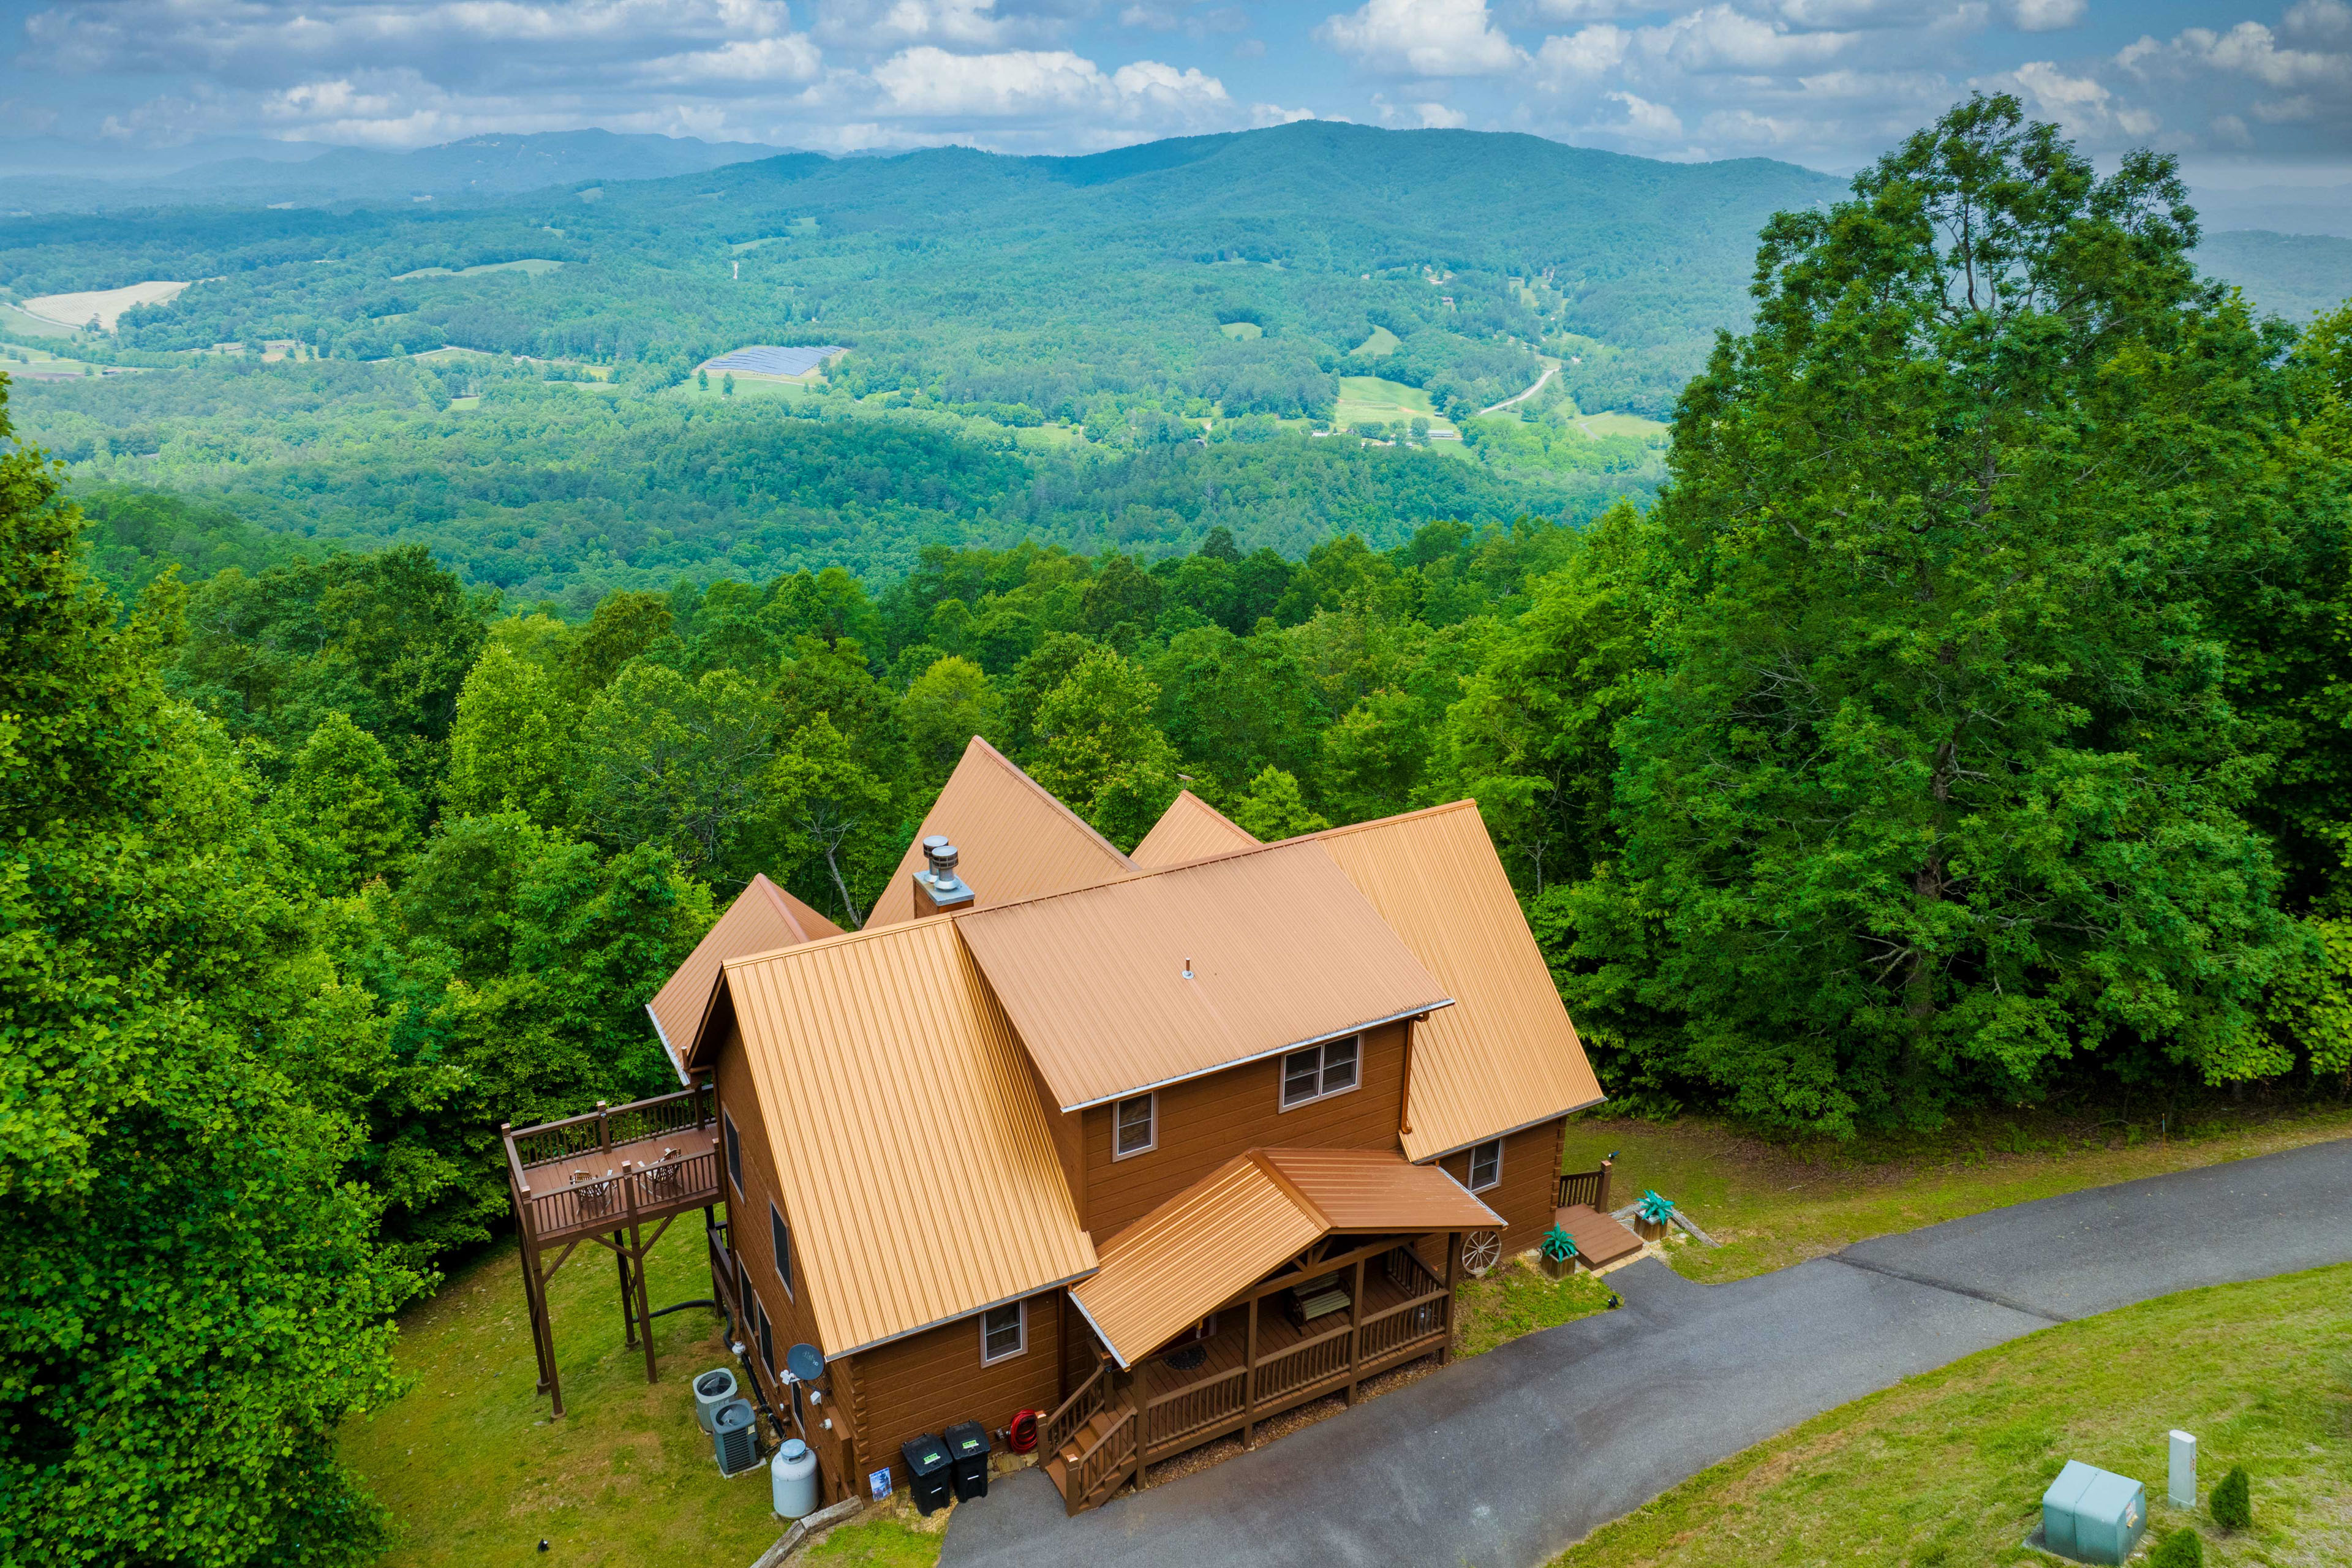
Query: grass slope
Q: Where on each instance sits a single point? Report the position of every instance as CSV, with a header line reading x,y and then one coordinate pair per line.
x,y
475,1473
1948,1467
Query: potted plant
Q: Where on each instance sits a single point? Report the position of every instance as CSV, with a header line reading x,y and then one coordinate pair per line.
x,y
1557,1253
1652,1215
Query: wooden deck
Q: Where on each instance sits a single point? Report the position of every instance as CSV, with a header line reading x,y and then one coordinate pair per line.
x,y
607,1170
1401,1318
1600,1240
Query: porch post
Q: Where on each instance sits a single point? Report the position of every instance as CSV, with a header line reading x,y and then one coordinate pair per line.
x,y
1249,1381
1602,1203
628,1296
1356,1332
1453,1274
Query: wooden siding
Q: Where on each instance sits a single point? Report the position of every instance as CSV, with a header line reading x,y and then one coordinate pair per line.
x,y
1530,1182
1206,1121
928,1382
789,1313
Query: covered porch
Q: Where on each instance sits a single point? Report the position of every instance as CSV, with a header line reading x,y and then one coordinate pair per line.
x,y
1240,1332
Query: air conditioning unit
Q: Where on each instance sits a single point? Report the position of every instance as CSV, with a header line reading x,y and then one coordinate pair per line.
x,y
711,1390
735,1436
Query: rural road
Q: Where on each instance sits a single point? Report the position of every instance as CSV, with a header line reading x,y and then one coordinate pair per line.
x,y
1551,368
1502,1460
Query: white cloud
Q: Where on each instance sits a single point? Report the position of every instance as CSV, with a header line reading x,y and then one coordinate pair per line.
x,y
2080,105
877,26
2045,16
1435,38
1647,121
1588,52
932,83
791,59
1421,116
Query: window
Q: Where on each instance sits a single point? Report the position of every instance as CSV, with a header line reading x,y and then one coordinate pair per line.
x,y
734,1150
1138,1126
1485,1164
1320,1071
780,1236
767,1334
1002,1332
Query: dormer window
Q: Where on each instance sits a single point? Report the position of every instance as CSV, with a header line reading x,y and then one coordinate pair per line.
x,y
1319,1071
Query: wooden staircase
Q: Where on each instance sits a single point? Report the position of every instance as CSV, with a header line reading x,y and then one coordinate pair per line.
x,y
1091,1443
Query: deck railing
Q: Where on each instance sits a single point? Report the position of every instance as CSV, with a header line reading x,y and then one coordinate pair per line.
x,y
1401,1325
1305,1364
1105,1462
1586,1187
1075,1411
608,1127
1224,1397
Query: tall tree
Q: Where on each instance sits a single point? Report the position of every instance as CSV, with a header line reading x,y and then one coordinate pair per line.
x,y
190,1296
1099,751
1940,783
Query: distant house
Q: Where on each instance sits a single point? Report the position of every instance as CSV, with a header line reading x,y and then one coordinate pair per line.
x,y
1156,1146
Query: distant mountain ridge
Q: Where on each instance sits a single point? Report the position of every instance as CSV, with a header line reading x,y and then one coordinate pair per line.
x,y
480,167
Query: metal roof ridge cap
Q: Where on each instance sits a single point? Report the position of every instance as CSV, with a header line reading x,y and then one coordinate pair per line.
x,y
1468,801
1291,1189
775,897
676,1063
896,927
1505,1133
1018,772
1134,874
1257,1056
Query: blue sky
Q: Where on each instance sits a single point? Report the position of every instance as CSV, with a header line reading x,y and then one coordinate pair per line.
x,y
2248,93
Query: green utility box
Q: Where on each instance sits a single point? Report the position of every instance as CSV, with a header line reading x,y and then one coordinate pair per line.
x,y
2093,1515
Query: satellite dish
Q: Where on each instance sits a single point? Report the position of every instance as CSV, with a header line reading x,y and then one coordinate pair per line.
x,y
805,1363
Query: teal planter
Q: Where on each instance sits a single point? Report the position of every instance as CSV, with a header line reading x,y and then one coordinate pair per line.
x,y
2093,1515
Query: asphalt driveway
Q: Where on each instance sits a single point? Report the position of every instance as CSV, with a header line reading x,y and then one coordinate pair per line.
x,y
1501,1460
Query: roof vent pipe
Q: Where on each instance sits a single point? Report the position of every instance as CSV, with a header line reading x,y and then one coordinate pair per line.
x,y
937,880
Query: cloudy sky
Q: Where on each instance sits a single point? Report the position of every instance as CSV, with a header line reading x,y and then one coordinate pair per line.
x,y
2246,90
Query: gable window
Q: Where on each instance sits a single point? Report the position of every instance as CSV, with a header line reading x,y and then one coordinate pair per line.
x,y
1004,1332
1320,1071
780,1236
1138,1126
1485,1164
734,1143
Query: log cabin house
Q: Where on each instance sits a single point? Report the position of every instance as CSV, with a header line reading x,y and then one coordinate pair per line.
x,y
1156,1146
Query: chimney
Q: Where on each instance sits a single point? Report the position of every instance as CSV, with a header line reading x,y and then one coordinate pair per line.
x,y
938,888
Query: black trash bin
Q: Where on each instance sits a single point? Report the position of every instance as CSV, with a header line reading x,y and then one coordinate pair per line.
x,y
933,1467
967,1446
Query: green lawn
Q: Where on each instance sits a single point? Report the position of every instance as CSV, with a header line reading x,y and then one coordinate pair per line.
x,y
1242,330
22,323
1619,424
532,266
1379,343
1948,1467
1372,400
1774,1204
474,1472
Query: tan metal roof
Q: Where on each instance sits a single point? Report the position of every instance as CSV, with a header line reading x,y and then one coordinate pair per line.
x,y
1505,1055
1235,1226
1283,949
1189,829
1016,840
762,918
915,1161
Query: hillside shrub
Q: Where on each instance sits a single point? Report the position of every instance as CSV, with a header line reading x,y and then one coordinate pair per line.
x,y
2181,1549
2234,1503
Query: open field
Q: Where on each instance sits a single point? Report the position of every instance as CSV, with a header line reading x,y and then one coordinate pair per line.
x,y
1379,343
1369,399
1620,424
1773,1205
15,320
1242,330
1948,1467
474,1471
529,265
106,305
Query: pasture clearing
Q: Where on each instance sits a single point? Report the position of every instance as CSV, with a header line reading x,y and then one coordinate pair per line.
x,y
530,267
1369,400
1240,331
17,322
1378,345
741,246
105,306
1632,424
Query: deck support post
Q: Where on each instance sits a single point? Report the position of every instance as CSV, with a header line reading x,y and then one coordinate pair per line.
x,y
644,1306
1356,1332
621,1255
1249,1379
1453,1286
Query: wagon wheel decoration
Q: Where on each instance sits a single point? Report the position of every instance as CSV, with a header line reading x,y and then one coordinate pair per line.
x,y
1481,1249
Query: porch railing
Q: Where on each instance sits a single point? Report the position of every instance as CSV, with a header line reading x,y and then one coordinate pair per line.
x,y
608,1127
1106,1462
1305,1364
1402,1325
1586,1187
1224,1398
